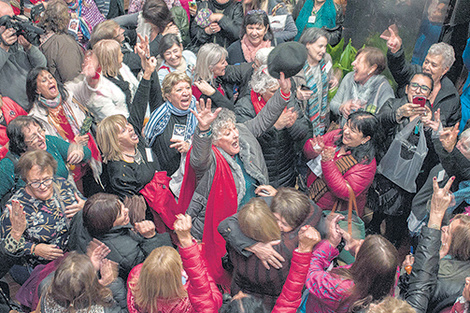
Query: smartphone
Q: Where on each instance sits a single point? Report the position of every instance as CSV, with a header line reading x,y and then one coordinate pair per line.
x,y
303,87
419,100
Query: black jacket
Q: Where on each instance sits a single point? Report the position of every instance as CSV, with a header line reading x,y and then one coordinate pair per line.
x,y
434,283
230,25
447,99
279,146
127,247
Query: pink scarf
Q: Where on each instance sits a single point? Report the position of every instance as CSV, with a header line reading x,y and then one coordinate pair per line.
x,y
249,51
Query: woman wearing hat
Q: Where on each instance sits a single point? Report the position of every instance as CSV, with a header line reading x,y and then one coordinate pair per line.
x,y
278,142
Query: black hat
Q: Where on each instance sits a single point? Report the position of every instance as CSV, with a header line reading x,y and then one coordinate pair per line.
x,y
288,57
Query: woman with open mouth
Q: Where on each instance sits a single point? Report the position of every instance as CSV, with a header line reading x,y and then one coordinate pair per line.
x,y
364,89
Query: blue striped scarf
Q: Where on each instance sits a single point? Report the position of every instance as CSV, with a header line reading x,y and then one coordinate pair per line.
x,y
318,107
160,117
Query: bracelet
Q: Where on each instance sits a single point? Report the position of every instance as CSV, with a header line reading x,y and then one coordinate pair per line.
x,y
205,133
435,226
33,248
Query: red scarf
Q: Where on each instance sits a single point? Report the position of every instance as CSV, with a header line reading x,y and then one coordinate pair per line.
x,y
249,51
222,203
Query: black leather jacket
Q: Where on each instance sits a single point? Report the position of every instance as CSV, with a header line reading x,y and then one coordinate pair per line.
x,y
434,283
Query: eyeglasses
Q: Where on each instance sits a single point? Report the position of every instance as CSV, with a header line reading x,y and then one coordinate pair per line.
x,y
36,136
424,88
37,184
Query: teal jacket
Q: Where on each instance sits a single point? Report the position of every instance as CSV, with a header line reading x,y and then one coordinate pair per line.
x,y
55,146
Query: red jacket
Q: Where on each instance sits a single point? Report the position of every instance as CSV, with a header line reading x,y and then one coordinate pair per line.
x,y
10,110
290,297
360,177
203,295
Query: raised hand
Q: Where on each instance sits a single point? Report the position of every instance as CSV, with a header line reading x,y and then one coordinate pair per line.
x,y
97,252
440,201
448,137
433,122
182,227
308,238
317,144
394,41
108,272
334,231
17,219
145,228
287,119
284,83
142,48
204,115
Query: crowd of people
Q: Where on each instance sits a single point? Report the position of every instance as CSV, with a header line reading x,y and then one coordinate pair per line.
x,y
191,156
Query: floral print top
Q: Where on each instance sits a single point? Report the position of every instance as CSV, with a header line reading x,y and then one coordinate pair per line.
x,y
46,221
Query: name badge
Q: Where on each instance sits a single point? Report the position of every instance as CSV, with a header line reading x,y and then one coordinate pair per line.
x,y
312,19
148,152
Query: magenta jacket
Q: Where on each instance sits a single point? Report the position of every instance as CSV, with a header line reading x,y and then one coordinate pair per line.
x,y
326,290
359,177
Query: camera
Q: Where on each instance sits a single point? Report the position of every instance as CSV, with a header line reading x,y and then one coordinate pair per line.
x,y
22,27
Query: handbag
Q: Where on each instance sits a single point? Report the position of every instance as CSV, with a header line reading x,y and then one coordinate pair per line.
x,y
403,160
353,224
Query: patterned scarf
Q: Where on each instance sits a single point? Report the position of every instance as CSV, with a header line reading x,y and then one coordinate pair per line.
x,y
50,103
249,51
319,186
318,107
160,117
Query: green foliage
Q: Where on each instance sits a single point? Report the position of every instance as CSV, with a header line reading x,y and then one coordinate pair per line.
x,y
342,60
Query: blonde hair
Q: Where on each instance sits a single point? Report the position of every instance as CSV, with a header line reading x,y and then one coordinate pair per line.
x,y
392,305
104,30
171,80
258,222
160,278
107,137
208,56
107,51
460,238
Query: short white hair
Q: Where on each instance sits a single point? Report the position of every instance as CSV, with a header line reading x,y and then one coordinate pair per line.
x,y
261,81
447,52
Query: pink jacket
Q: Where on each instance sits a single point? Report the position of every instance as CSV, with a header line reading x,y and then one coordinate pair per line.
x,y
359,177
203,295
326,290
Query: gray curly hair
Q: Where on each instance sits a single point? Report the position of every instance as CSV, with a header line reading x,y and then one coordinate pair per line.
x,y
261,81
225,118
447,52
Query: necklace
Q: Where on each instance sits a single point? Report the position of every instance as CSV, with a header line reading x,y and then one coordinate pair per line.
x,y
137,156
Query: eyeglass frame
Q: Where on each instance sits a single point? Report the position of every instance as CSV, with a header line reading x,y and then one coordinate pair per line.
x,y
46,183
415,88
